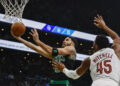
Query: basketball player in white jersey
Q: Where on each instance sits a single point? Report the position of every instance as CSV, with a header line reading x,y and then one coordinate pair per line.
x,y
103,64
100,23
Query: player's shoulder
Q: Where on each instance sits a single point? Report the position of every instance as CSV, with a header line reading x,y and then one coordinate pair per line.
x,y
70,48
109,49
101,51
116,41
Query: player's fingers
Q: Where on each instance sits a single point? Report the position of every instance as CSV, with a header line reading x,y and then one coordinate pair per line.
x,y
31,33
101,17
54,66
35,30
12,34
32,30
56,63
96,19
53,63
95,24
98,16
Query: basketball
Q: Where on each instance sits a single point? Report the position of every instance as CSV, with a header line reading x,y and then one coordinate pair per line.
x,y
18,29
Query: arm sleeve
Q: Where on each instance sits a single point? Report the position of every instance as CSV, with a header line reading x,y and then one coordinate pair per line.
x,y
71,73
54,52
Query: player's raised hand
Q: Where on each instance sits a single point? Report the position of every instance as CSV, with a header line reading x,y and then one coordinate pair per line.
x,y
34,34
58,65
99,22
16,37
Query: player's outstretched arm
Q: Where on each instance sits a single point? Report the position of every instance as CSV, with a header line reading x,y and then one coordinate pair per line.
x,y
74,74
35,36
47,48
34,47
100,23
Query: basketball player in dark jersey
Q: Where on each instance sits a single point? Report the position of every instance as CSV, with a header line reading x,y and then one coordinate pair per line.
x,y
66,54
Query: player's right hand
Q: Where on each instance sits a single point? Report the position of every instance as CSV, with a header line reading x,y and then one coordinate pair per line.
x,y
58,65
16,37
99,22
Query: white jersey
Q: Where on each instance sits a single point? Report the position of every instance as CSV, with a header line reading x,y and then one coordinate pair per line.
x,y
105,64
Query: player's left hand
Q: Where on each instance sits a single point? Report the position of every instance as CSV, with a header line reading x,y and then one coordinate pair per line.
x,y
34,34
58,65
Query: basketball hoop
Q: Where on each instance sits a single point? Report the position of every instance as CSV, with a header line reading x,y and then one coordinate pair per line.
x,y
13,9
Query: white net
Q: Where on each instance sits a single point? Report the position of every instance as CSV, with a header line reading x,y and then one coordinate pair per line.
x,y
13,9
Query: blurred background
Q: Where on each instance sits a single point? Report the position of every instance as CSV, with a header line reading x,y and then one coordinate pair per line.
x,y
23,68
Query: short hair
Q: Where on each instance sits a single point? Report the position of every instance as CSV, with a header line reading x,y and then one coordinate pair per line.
x,y
102,41
75,41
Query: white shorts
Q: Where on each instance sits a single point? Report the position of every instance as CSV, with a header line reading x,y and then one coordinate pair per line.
x,y
104,82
